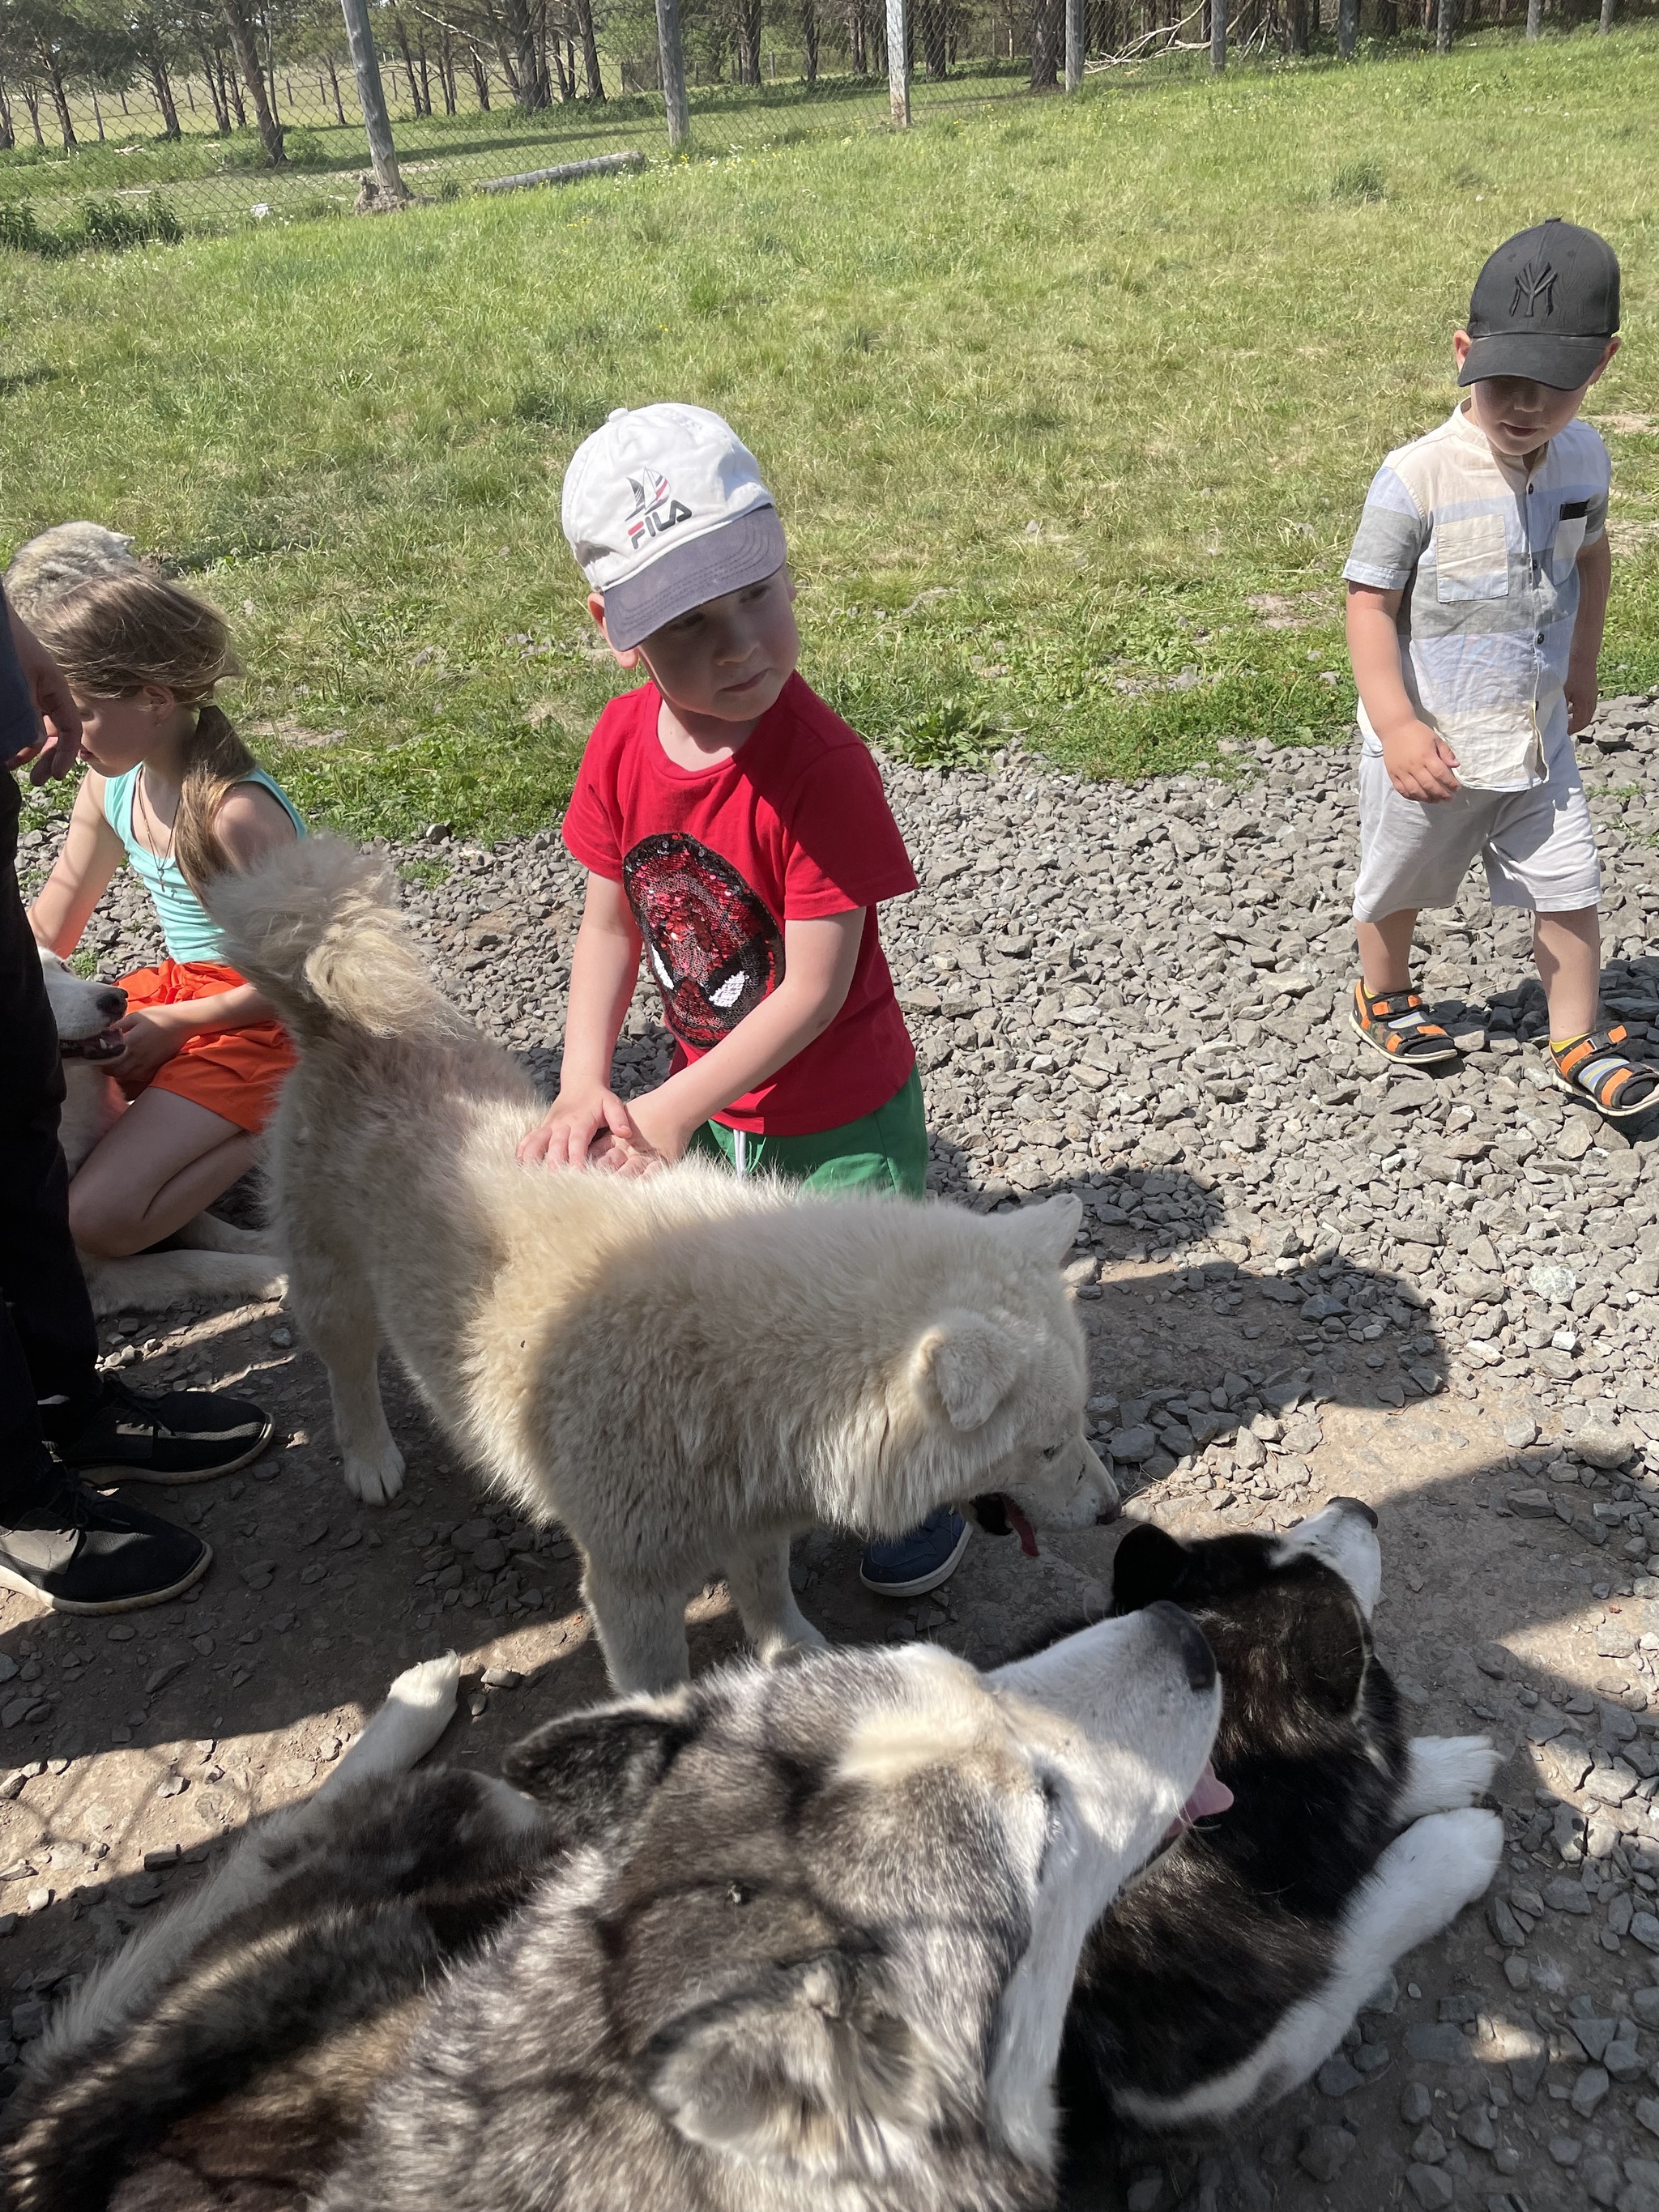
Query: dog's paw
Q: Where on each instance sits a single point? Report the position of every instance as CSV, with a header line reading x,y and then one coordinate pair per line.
x,y
779,1651
1445,1772
430,1686
376,1480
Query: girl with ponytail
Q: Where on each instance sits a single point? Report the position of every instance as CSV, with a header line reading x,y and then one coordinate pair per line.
x,y
173,790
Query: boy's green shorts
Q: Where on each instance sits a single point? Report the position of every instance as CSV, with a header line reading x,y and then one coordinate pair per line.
x,y
884,1151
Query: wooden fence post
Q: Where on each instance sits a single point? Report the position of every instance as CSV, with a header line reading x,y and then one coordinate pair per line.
x,y
371,97
1348,28
1076,41
1218,35
898,61
671,50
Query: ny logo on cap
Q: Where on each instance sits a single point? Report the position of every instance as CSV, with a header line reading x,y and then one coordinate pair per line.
x,y
1531,285
654,509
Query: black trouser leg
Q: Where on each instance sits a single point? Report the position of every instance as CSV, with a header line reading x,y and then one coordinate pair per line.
x,y
48,1339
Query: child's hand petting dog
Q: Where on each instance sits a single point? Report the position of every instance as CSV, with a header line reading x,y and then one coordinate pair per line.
x,y
566,1136
153,1038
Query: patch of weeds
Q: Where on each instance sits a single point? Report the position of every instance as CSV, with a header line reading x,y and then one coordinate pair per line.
x,y
115,227
1360,181
425,872
20,231
952,734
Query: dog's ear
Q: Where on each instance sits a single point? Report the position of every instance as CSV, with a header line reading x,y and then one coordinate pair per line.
x,y
1148,1564
803,2066
595,1771
1327,1648
1045,1231
969,1362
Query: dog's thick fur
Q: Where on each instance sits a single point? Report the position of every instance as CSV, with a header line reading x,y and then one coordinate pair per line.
x,y
68,554
212,1259
790,1940
1236,1968
685,1370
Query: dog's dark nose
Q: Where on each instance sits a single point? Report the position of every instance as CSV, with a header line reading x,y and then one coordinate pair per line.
x,y
1187,1636
112,1003
1356,1506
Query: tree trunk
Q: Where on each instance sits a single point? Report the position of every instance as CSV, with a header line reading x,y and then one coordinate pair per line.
x,y
747,41
334,80
566,89
400,32
857,55
591,49
156,69
808,40
1296,27
8,129
1047,19
1445,26
247,62
1348,28
480,78
446,71
531,90
59,98
32,102
933,47
1606,23
98,113
426,80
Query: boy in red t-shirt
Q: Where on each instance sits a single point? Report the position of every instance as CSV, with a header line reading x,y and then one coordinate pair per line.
x,y
736,832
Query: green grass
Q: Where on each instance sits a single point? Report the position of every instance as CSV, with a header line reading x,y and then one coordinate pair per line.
x,y
1064,404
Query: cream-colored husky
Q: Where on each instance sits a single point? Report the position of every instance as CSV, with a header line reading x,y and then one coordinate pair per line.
x,y
685,1372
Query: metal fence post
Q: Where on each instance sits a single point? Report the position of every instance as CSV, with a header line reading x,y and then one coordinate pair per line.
x,y
1077,39
672,54
371,94
898,61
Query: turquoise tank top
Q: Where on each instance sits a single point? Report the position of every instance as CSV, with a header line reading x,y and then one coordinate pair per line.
x,y
187,930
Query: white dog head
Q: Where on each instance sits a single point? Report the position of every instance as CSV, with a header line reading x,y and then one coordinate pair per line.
x,y
1000,1388
85,1012
69,554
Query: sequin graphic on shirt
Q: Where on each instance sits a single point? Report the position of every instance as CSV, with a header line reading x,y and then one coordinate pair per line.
x,y
713,944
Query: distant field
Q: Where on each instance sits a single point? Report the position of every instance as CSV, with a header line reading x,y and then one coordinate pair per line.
x,y
1069,407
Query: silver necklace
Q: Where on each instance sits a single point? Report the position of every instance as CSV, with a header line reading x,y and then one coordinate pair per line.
x,y
161,859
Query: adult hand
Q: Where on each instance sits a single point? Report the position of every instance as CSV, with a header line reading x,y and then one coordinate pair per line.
x,y
1583,693
1420,764
563,1138
153,1037
60,743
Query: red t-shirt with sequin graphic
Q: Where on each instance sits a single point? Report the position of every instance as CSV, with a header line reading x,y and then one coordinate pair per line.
x,y
713,861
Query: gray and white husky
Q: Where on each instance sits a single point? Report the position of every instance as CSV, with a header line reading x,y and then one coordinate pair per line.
x,y
778,1941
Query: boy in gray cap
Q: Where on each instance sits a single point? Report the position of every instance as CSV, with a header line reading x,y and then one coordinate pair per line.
x,y
1477,592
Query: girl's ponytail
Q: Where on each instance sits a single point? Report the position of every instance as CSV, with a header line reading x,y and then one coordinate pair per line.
x,y
116,632
215,761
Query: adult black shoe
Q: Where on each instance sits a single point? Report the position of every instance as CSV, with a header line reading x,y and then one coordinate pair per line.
x,y
166,1436
90,1554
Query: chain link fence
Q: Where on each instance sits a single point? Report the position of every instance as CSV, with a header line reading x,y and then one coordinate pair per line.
x,y
122,120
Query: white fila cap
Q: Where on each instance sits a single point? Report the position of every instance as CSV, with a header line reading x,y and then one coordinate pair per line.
x,y
664,509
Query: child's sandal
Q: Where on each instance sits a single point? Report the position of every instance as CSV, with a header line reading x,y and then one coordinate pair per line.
x,y
1394,1024
1597,1069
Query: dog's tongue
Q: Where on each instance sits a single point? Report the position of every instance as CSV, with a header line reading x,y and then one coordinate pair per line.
x,y
1026,1534
1210,1796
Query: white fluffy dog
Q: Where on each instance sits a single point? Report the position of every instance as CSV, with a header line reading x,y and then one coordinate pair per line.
x,y
61,557
214,1260
686,1371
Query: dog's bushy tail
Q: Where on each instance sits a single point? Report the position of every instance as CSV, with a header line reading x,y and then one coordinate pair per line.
x,y
316,927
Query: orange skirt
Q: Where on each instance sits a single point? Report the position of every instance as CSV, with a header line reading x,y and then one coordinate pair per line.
x,y
234,1072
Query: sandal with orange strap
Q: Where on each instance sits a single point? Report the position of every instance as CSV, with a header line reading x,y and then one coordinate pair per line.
x,y
1597,1069
1396,1024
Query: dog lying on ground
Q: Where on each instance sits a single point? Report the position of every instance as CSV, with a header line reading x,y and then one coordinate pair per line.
x,y
687,1370
1235,1969
212,1258
784,1941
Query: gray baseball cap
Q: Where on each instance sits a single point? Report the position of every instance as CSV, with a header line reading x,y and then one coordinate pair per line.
x,y
1544,307
664,508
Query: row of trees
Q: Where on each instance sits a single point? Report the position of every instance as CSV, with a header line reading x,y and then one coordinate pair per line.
x,y
242,57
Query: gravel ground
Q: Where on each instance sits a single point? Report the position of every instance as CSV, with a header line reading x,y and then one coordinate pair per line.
x,y
1303,1274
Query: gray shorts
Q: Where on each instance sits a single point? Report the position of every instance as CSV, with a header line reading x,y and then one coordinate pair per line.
x,y
1538,846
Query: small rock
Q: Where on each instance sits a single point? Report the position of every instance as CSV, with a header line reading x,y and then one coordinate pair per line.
x,y
1644,1927
1589,2090
501,1678
282,1338
1143,2195
1476,2130
1520,1432
1130,1446
1647,2114
1325,2152
1644,2003
1564,1896
1430,2185
1598,2177
1433,2042
1430,2146
1531,1504
1336,2077
1503,1924
1415,2104
1565,2149
1491,1659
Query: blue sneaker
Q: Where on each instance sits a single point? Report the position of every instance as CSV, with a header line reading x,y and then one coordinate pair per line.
x,y
912,1564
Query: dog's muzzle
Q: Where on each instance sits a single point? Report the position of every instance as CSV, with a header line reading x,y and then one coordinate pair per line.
x,y
108,1044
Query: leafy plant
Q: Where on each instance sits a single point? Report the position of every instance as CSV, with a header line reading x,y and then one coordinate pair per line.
x,y
1363,179
952,734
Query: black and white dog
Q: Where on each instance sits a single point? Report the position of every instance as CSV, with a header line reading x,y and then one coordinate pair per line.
x,y
1235,1968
